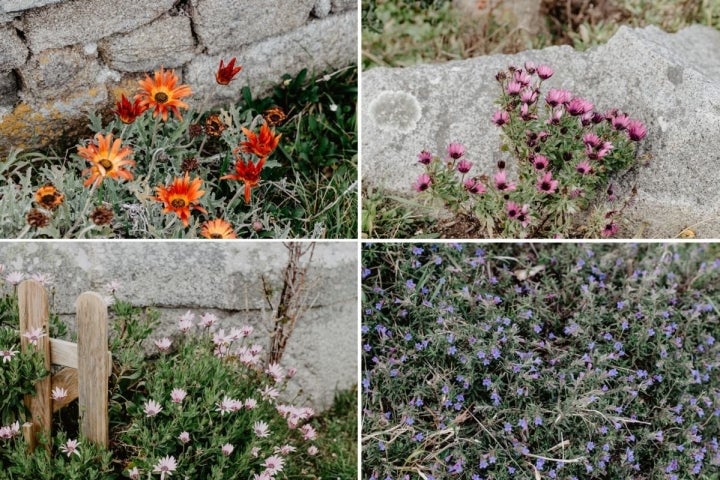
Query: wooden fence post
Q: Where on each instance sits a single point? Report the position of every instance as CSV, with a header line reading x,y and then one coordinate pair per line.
x,y
33,306
93,367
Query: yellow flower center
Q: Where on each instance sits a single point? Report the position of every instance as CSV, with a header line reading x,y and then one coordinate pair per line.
x,y
161,97
178,203
106,164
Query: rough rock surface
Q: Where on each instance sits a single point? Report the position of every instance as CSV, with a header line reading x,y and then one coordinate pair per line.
x,y
223,25
83,21
320,45
168,41
56,73
341,5
13,52
20,5
224,279
669,81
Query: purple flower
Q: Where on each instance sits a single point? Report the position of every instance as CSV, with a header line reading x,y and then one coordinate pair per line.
x,y
464,166
502,183
425,157
474,186
422,183
636,130
514,88
529,96
546,184
500,118
455,150
583,168
557,97
578,106
540,162
620,121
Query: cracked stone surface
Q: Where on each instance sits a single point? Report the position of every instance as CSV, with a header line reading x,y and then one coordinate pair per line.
x,y
222,279
13,52
669,81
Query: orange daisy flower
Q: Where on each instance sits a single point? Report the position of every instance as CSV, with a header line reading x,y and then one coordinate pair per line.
x,y
49,197
217,228
248,173
180,197
161,93
261,144
226,73
107,159
128,112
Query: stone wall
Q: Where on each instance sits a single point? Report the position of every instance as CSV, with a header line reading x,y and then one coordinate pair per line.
x,y
222,278
60,59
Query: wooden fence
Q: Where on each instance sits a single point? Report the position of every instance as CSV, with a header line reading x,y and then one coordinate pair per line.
x,y
87,365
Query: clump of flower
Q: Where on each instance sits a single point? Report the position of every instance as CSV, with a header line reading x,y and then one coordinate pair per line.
x,y
567,361
563,152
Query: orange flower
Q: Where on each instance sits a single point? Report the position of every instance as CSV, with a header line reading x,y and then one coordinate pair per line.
x,y
248,173
261,144
180,197
217,228
128,112
49,197
161,93
226,73
107,159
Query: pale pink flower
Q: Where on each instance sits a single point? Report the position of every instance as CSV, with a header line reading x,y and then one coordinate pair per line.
x,y
500,118
312,450
152,408
44,279
189,316
422,183
256,349
109,300
227,449
555,117
275,371
273,464
228,405
474,186
524,217
522,78
34,335
584,168
425,157
112,287
261,429
70,447
165,466
636,130
620,121
530,67
219,338
58,393
529,96
291,372
235,334
308,432
546,184
9,431
178,395
255,452
184,437
455,150
14,278
246,330
269,393
250,403
7,355
514,88
502,183
284,450
185,325
134,473
544,72
163,344
207,320
262,476
512,209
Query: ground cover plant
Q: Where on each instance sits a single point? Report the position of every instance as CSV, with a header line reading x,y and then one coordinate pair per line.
x,y
204,402
540,361
165,166
562,155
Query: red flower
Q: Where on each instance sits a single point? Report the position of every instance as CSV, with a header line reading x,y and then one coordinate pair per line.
x,y
248,173
261,144
226,73
128,112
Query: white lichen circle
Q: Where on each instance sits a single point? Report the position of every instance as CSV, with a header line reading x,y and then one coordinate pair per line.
x,y
395,111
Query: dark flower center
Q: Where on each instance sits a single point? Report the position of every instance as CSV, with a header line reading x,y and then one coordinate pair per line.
x,y
545,186
161,97
106,164
502,186
215,235
178,203
512,213
48,199
423,186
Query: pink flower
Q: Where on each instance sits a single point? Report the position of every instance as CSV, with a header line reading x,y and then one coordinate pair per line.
x,y
9,431
178,395
58,393
590,139
163,344
512,209
540,162
554,118
227,449
474,186
34,335
44,279
14,278
500,118
228,405
464,166
599,152
246,330
546,184
308,432
152,408
514,87
422,183
207,320
284,450
530,67
185,325
425,157
312,450
636,130
219,338
544,72
7,355
620,121
522,78
273,464
255,452
261,429
557,97
184,437
275,371
455,150
584,168
134,473
578,106
610,229
291,372
165,466
250,403
70,447
529,96
502,183
112,287
523,216
525,112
